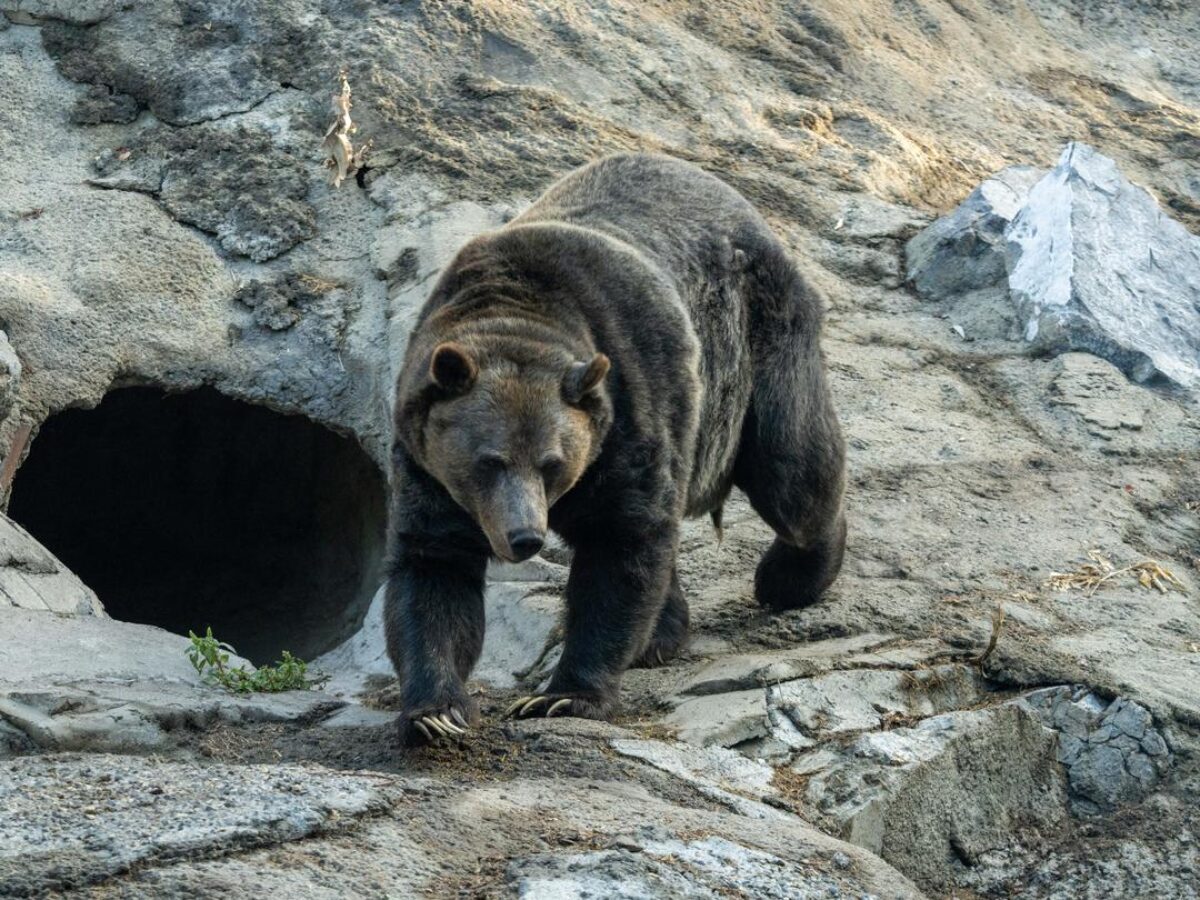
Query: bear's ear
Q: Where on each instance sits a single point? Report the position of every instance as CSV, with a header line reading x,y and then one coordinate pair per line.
x,y
452,368
584,377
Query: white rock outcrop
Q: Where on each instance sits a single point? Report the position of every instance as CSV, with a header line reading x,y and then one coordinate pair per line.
x,y
1090,262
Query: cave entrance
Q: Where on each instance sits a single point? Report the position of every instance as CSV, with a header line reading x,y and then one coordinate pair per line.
x,y
193,509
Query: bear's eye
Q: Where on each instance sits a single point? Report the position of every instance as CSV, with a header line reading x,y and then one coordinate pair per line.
x,y
551,468
489,467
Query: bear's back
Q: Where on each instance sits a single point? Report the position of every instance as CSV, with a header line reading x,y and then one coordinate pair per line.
x,y
665,207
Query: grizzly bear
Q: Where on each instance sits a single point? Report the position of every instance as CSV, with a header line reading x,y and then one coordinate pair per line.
x,y
621,355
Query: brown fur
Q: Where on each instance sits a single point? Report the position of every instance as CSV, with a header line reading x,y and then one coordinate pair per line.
x,y
618,357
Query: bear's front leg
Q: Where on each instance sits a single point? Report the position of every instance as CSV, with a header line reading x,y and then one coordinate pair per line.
x,y
618,584
434,622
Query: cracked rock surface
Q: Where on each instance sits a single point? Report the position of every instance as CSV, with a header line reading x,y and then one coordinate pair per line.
x,y
166,221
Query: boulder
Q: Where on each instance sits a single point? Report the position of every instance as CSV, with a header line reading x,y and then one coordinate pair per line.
x,y
721,720
933,798
93,683
1095,264
1089,260
965,250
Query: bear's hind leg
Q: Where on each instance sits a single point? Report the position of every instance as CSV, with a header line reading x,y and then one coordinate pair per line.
x,y
670,633
791,460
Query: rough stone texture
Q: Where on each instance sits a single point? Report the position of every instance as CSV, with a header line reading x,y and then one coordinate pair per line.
x,y
723,776
724,720
41,648
933,798
646,867
127,256
863,700
74,820
92,683
31,578
1090,261
703,766
742,671
1094,264
531,834
965,250
1113,752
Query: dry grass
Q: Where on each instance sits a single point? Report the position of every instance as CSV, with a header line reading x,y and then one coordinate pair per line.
x,y
792,786
1098,571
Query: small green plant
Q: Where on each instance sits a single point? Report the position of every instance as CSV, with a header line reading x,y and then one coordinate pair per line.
x,y
211,659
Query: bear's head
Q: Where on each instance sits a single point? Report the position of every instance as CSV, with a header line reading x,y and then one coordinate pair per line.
x,y
508,438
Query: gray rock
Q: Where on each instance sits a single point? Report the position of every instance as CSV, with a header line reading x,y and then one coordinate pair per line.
x,y
703,766
1099,775
31,578
965,250
1097,393
1090,261
933,798
73,820
1113,752
103,105
546,837
40,648
78,12
620,874
236,185
708,867
723,720
859,700
738,672
92,683
14,740
1095,264
10,375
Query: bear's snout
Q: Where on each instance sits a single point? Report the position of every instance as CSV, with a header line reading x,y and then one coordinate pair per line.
x,y
524,543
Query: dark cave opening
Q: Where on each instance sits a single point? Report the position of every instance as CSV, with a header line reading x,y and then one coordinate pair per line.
x,y
192,509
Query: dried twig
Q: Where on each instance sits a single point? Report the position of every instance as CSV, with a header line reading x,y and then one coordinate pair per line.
x,y
998,617
1091,576
340,156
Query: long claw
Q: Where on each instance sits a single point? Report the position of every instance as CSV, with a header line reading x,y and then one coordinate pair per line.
x,y
533,704
445,722
508,713
425,731
557,705
459,718
435,725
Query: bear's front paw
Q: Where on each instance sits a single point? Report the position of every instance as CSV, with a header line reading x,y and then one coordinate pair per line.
x,y
435,724
582,706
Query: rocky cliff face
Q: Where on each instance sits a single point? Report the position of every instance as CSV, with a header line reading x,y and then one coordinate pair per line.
x,y
167,225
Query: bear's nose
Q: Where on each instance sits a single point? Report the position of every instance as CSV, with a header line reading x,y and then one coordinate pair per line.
x,y
524,542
